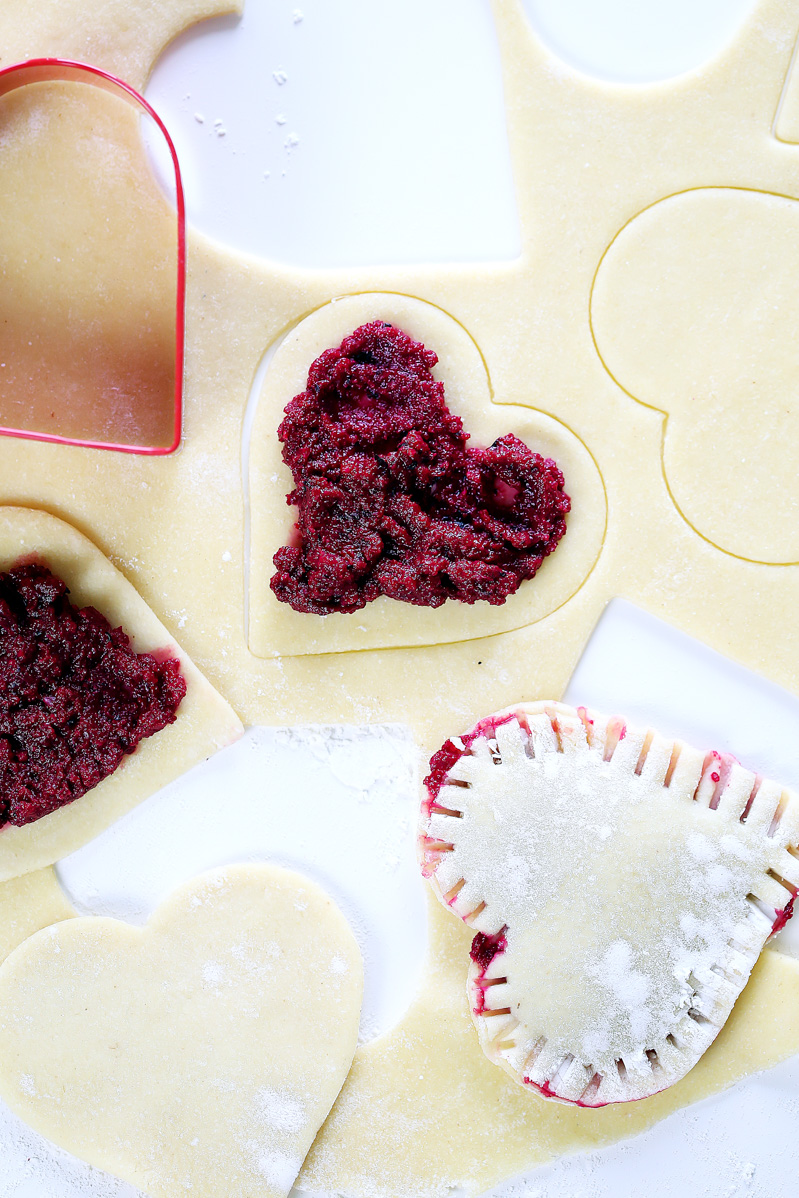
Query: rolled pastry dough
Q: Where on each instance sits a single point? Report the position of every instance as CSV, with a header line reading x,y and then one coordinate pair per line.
x,y
198,1055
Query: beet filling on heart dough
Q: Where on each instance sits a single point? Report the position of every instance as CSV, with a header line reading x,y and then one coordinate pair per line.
x,y
390,499
74,697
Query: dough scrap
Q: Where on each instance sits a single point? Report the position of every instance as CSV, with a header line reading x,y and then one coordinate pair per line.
x,y
199,1054
204,722
124,39
385,623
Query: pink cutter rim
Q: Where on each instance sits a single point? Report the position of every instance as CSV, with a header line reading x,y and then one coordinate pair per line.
x,y
42,70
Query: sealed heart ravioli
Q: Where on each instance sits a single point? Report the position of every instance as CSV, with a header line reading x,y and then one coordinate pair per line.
x,y
621,886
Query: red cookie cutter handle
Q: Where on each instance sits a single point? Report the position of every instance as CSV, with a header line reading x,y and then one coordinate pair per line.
x,y
46,70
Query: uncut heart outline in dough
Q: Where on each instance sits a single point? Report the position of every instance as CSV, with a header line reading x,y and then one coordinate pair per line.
x,y
693,310
199,1054
204,722
622,886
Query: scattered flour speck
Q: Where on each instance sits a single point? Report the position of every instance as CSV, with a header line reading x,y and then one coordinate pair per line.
x,y
278,1169
214,974
278,1111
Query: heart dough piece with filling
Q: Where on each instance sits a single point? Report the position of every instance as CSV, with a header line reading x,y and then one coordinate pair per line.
x,y
199,1054
387,622
621,886
205,721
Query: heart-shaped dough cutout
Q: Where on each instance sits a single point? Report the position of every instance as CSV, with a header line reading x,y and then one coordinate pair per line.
x,y
621,885
199,1054
204,723
274,628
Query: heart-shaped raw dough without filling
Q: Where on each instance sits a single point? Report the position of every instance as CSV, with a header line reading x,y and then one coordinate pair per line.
x,y
199,1054
274,628
621,884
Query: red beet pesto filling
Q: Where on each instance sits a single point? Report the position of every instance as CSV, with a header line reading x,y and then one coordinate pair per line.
x,y
74,697
390,499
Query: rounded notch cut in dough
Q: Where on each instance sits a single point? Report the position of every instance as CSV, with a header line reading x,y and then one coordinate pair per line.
x,y
205,722
694,313
199,1054
274,627
28,904
622,886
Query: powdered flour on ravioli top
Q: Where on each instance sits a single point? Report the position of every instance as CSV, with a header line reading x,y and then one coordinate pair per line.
x,y
621,886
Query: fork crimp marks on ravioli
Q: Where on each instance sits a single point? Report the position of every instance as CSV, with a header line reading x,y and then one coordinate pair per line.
x,y
621,886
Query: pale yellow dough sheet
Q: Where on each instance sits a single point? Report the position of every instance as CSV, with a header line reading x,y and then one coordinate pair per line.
x,y
694,313
204,723
198,1055
589,159
27,904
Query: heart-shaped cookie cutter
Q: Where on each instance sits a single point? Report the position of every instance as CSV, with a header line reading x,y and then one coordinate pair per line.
x,y
46,70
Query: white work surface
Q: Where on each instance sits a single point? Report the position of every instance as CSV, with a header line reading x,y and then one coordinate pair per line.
x,y
287,123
